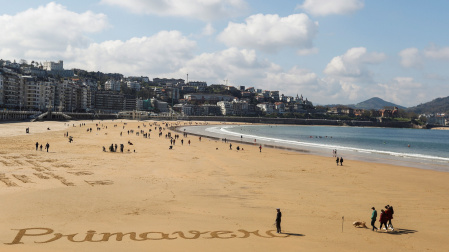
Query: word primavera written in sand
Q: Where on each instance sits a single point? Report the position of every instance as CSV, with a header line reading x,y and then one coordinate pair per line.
x,y
93,236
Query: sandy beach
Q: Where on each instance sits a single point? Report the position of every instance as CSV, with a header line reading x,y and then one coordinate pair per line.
x,y
203,196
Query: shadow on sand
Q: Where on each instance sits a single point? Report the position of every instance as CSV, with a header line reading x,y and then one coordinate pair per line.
x,y
401,231
293,234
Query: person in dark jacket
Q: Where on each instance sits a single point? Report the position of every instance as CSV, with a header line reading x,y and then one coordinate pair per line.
x,y
383,219
389,211
373,218
341,161
338,160
278,220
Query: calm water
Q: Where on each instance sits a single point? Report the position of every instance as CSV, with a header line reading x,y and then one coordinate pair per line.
x,y
428,149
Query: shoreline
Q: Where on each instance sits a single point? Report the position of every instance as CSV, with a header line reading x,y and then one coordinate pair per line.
x,y
218,199
350,155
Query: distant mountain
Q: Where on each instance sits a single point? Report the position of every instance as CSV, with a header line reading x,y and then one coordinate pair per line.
x,y
376,103
439,105
373,103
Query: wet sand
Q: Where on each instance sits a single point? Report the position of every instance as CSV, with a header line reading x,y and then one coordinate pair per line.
x,y
202,197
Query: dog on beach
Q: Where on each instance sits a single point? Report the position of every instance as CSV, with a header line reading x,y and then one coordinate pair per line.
x,y
359,224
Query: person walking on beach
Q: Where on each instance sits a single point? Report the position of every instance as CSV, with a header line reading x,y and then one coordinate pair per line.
x,y
37,145
383,219
47,146
230,146
341,161
389,213
278,220
260,148
338,160
373,218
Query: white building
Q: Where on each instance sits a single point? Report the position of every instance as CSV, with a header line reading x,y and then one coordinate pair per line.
x,y
225,107
53,66
266,107
133,85
113,85
235,107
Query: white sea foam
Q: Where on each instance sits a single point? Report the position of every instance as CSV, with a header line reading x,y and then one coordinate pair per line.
x,y
224,130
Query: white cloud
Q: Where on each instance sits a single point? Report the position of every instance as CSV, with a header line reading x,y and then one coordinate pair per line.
x,y
435,52
46,31
309,51
353,63
233,64
208,30
348,75
400,90
198,9
271,32
244,67
331,7
293,81
410,57
162,53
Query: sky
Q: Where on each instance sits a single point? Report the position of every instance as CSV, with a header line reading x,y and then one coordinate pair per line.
x,y
330,51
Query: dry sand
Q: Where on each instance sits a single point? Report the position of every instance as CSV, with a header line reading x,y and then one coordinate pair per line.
x,y
202,197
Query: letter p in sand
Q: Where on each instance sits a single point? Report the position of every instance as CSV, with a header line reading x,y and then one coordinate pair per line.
x,y
24,232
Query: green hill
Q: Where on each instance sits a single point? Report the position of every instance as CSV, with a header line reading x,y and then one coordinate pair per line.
x,y
376,103
439,105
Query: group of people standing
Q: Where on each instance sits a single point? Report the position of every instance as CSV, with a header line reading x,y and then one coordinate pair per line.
x,y
385,218
47,146
339,159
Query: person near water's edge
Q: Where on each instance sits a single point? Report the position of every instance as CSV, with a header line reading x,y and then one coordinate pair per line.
x,y
278,220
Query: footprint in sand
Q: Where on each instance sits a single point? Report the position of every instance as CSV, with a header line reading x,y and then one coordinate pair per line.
x,y
100,182
22,178
41,176
6,180
81,173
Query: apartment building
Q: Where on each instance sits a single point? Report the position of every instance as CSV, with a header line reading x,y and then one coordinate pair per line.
x,y
266,107
109,101
12,91
1,89
208,97
31,93
133,85
113,85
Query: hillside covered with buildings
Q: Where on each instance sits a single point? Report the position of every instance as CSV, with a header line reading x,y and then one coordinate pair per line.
x,y
48,86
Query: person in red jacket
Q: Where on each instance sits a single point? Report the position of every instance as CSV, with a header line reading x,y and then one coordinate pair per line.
x,y
389,211
383,219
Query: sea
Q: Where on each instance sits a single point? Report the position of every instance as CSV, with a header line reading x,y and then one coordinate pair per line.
x,y
419,148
